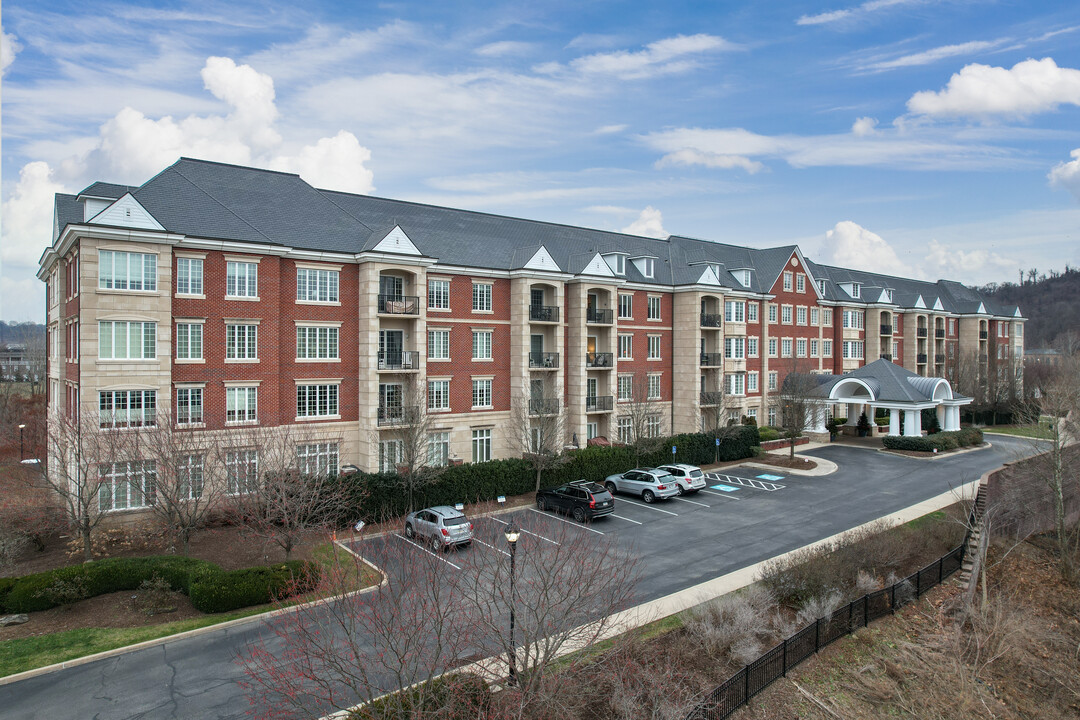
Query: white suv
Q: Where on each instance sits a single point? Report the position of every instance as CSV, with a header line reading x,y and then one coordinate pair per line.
x,y
650,484
688,478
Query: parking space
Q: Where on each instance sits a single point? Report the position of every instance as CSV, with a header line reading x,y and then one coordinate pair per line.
x,y
728,482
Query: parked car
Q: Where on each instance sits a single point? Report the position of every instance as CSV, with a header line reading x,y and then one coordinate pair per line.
x,y
440,527
651,484
688,478
583,500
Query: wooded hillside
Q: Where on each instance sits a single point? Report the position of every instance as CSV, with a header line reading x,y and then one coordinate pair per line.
x,y
1050,302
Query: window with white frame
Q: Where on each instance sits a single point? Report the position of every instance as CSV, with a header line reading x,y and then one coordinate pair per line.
x,y
481,344
317,400
241,404
241,342
785,347
626,388
481,445
127,485
438,344
316,343
317,285
856,290
481,297
189,341
826,317
853,319
189,405
127,408
752,347
815,316
648,267
438,453
826,348
734,348
653,387
752,382
189,276
241,471
853,349
391,454
654,307
616,262
653,426
751,312
785,314
126,270
626,346
626,306
241,279
625,429
772,314
125,340
772,347
772,416
800,283
190,475
735,383
896,323
481,393
654,347
800,315
320,458
896,350
773,379
438,294
734,311
952,326
800,347
813,348
438,394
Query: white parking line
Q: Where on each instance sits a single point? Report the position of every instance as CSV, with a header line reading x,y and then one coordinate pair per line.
x,y
723,495
692,502
491,546
527,532
556,517
421,547
626,519
648,506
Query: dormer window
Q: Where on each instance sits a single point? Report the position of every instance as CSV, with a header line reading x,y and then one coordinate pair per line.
x,y
743,276
617,263
821,286
856,290
888,294
648,267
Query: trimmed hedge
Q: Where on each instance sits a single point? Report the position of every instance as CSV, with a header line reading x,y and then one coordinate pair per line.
x,y
938,441
217,590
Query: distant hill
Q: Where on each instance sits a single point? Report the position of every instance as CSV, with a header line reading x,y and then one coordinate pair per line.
x,y
11,332
1050,302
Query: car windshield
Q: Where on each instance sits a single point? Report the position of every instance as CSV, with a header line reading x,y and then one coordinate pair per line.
x,y
696,473
459,520
662,477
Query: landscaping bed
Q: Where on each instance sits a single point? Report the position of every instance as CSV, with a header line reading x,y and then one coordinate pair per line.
x,y
783,461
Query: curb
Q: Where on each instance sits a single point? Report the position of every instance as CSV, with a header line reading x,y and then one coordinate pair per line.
x,y
824,467
940,456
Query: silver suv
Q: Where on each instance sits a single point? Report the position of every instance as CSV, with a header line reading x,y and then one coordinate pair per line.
x,y
689,478
440,527
650,484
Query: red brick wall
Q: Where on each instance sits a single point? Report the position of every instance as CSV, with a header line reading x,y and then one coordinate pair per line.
x,y
461,364
641,331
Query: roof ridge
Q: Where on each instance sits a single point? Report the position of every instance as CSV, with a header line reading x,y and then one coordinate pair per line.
x,y
223,205
239,167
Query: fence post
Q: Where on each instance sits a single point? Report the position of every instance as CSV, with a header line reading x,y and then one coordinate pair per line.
x,y
850,612
940,569
865,610
785,658
918,583
817,634
746,695
892,599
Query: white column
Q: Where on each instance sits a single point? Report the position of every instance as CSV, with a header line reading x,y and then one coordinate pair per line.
x,y
909,422
852,414
894,422
917,414
943,416
815,418
953,416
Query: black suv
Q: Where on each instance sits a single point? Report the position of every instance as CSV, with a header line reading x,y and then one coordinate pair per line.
x,y
582,499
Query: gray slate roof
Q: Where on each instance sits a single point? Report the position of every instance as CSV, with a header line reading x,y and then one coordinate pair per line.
x,y
107,190
891,383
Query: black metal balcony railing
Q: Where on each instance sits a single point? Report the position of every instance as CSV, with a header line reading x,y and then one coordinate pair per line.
x,y
920,332
544,406
397,415
982,334
543,313
939,332
712,359
712,320
401,360
712,398
399,304
543,360
886,356
599,316
599,359
886,329
599,403
920,358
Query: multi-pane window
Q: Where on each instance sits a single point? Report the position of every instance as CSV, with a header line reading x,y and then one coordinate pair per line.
x,y
481,297
654,387
787,281
800,283
751,312
317,285
127,408
734,311
826,348
772,347
800,315
124,340
126,270
654,308
752,414
317,400
315,343
626,306
752,382
391,454
190,476
785,347
438,294
896,350
189,405
189,341
654,347
826,317
735,383
189,276
241,279
734,348
438,453
853,349
319,458
127,485
800,347
815,316
626,347
772,314
785,314
625,429
813,348
438,344
853,319
952,326
241,404
752,347
481,393
772,412
481,344
241,342
626,387
438,394
653,426
773,380
481,445
241,471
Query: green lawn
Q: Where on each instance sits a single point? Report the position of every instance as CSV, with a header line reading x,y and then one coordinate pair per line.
x,y
1039,431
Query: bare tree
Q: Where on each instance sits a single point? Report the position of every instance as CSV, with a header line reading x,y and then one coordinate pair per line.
x,y
644,414
537,428
404,440
801,404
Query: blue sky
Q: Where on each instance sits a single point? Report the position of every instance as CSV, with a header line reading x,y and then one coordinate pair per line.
x,y
930,139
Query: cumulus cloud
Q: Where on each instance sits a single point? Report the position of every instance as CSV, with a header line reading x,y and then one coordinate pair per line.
x,y
716,161
853,246
942,261
335,163
864,126
9,48
1029,87
1067,174
649,223
28,214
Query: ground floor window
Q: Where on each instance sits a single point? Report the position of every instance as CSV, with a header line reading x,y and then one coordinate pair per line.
x,y
127,485
390,455
625,430
241,471
438,449
752,414
653,426
591,430
189,472
481,445
318,458
772,416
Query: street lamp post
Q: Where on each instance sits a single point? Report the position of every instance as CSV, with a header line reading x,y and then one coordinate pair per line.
x,y
512,535
21,455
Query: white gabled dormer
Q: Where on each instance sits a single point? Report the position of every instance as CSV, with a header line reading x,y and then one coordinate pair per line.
x,y
982,310
542,260
745,276
599,265
93,205
126,212
1017,313
646,265
397,242
919,303
616,262
938,305
885,296
709,277
853,289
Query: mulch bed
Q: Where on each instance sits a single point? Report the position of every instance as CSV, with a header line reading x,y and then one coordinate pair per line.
x,y
112,610
799,463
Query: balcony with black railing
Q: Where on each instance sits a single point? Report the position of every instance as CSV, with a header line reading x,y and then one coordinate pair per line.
x,y
886,329
599,403
920,332
599,316
400,360
599,360
544,313
713,397
939,332
543,360
712,359
712,320
399,305
920,359
886,356
395,415
544,406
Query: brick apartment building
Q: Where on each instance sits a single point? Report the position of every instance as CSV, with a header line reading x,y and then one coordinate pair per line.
x,y
236,296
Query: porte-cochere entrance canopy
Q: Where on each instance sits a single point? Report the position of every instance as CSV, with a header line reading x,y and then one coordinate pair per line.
x,y
884,384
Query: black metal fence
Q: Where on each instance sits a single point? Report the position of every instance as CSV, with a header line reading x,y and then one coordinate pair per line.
x,y
737,690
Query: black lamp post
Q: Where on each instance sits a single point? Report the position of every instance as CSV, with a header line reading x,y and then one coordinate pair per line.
x,y
512,535
21,455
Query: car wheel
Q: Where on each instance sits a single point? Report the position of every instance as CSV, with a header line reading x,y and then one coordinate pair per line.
x,y
436,544
648,496
409,532
680,489
610,487
579,514
540,504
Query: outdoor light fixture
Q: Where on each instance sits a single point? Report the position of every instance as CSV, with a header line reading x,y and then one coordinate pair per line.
x,y
512,534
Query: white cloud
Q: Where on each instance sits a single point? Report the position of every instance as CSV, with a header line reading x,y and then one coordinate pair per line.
x,y
715,161
932,55
504,48
610,129
649,223
852,246
1031,86
669,55
335,163
852,13
325,48
592,41
943,262
28,215
864,126
1067,174
9,47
